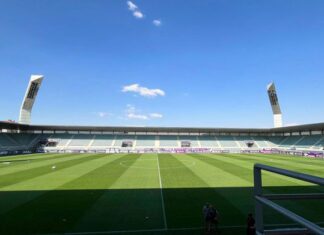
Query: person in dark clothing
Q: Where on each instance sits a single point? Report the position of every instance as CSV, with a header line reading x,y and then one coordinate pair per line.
x,y
214,215
250,230
212,219
215,219
205,216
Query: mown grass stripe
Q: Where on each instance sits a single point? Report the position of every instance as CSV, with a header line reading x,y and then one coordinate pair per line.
x,y
141,173
18,194
242,168
18,157
279,160
29,164
308,208
34,158
134,207
188,212
271,162
288,163
60,209
16,177
298,159
218,174
239,171
225,183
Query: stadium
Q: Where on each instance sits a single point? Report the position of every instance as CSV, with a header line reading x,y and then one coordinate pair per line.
x,y
164,180
131,179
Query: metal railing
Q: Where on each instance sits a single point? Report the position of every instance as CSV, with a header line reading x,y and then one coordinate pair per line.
x,y
265,199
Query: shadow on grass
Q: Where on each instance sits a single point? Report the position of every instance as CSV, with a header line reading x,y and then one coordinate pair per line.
x,y
97,210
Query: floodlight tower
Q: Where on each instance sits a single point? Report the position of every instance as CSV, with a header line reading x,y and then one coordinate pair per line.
x,y
29,99
277,115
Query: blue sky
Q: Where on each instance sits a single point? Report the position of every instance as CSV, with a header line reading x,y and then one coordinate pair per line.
x,y
200,63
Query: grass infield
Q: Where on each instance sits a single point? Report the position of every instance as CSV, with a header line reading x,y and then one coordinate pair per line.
x,y
144,194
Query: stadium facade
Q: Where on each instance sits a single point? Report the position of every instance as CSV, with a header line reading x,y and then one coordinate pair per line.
x,y
302,139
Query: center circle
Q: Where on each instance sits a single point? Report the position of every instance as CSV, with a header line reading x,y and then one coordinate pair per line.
x,y
130,164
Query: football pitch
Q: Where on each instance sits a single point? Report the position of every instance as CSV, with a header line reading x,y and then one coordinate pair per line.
x,y
144,193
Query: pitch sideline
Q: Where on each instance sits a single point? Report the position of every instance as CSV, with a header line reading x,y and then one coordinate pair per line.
x,y
172,229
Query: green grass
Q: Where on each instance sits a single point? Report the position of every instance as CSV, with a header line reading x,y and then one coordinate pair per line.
x,y
122,192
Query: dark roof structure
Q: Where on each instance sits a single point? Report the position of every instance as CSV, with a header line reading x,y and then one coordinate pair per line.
x,y
15,127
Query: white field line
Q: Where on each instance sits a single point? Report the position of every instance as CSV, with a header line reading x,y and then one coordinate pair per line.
x,y
161,191
174,229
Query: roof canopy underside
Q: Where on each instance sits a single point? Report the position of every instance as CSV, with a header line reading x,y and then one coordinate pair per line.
x,y
31,128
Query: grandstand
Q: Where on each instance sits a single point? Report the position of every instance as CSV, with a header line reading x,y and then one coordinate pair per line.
x,y
20,137
25,137
101,183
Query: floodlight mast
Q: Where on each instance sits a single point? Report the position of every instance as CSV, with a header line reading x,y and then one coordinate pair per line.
x,y
29,99
277,115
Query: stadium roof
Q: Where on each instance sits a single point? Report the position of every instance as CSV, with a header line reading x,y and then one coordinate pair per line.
x,y
119,129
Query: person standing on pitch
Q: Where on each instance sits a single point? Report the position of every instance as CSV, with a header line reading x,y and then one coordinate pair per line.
x,y
213,216
250,230
205,216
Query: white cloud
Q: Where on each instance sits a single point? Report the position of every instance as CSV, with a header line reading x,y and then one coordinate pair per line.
x,y
137,116
133,113
138,14
157,22
131,6
130,109
143,91
156,115
102,114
